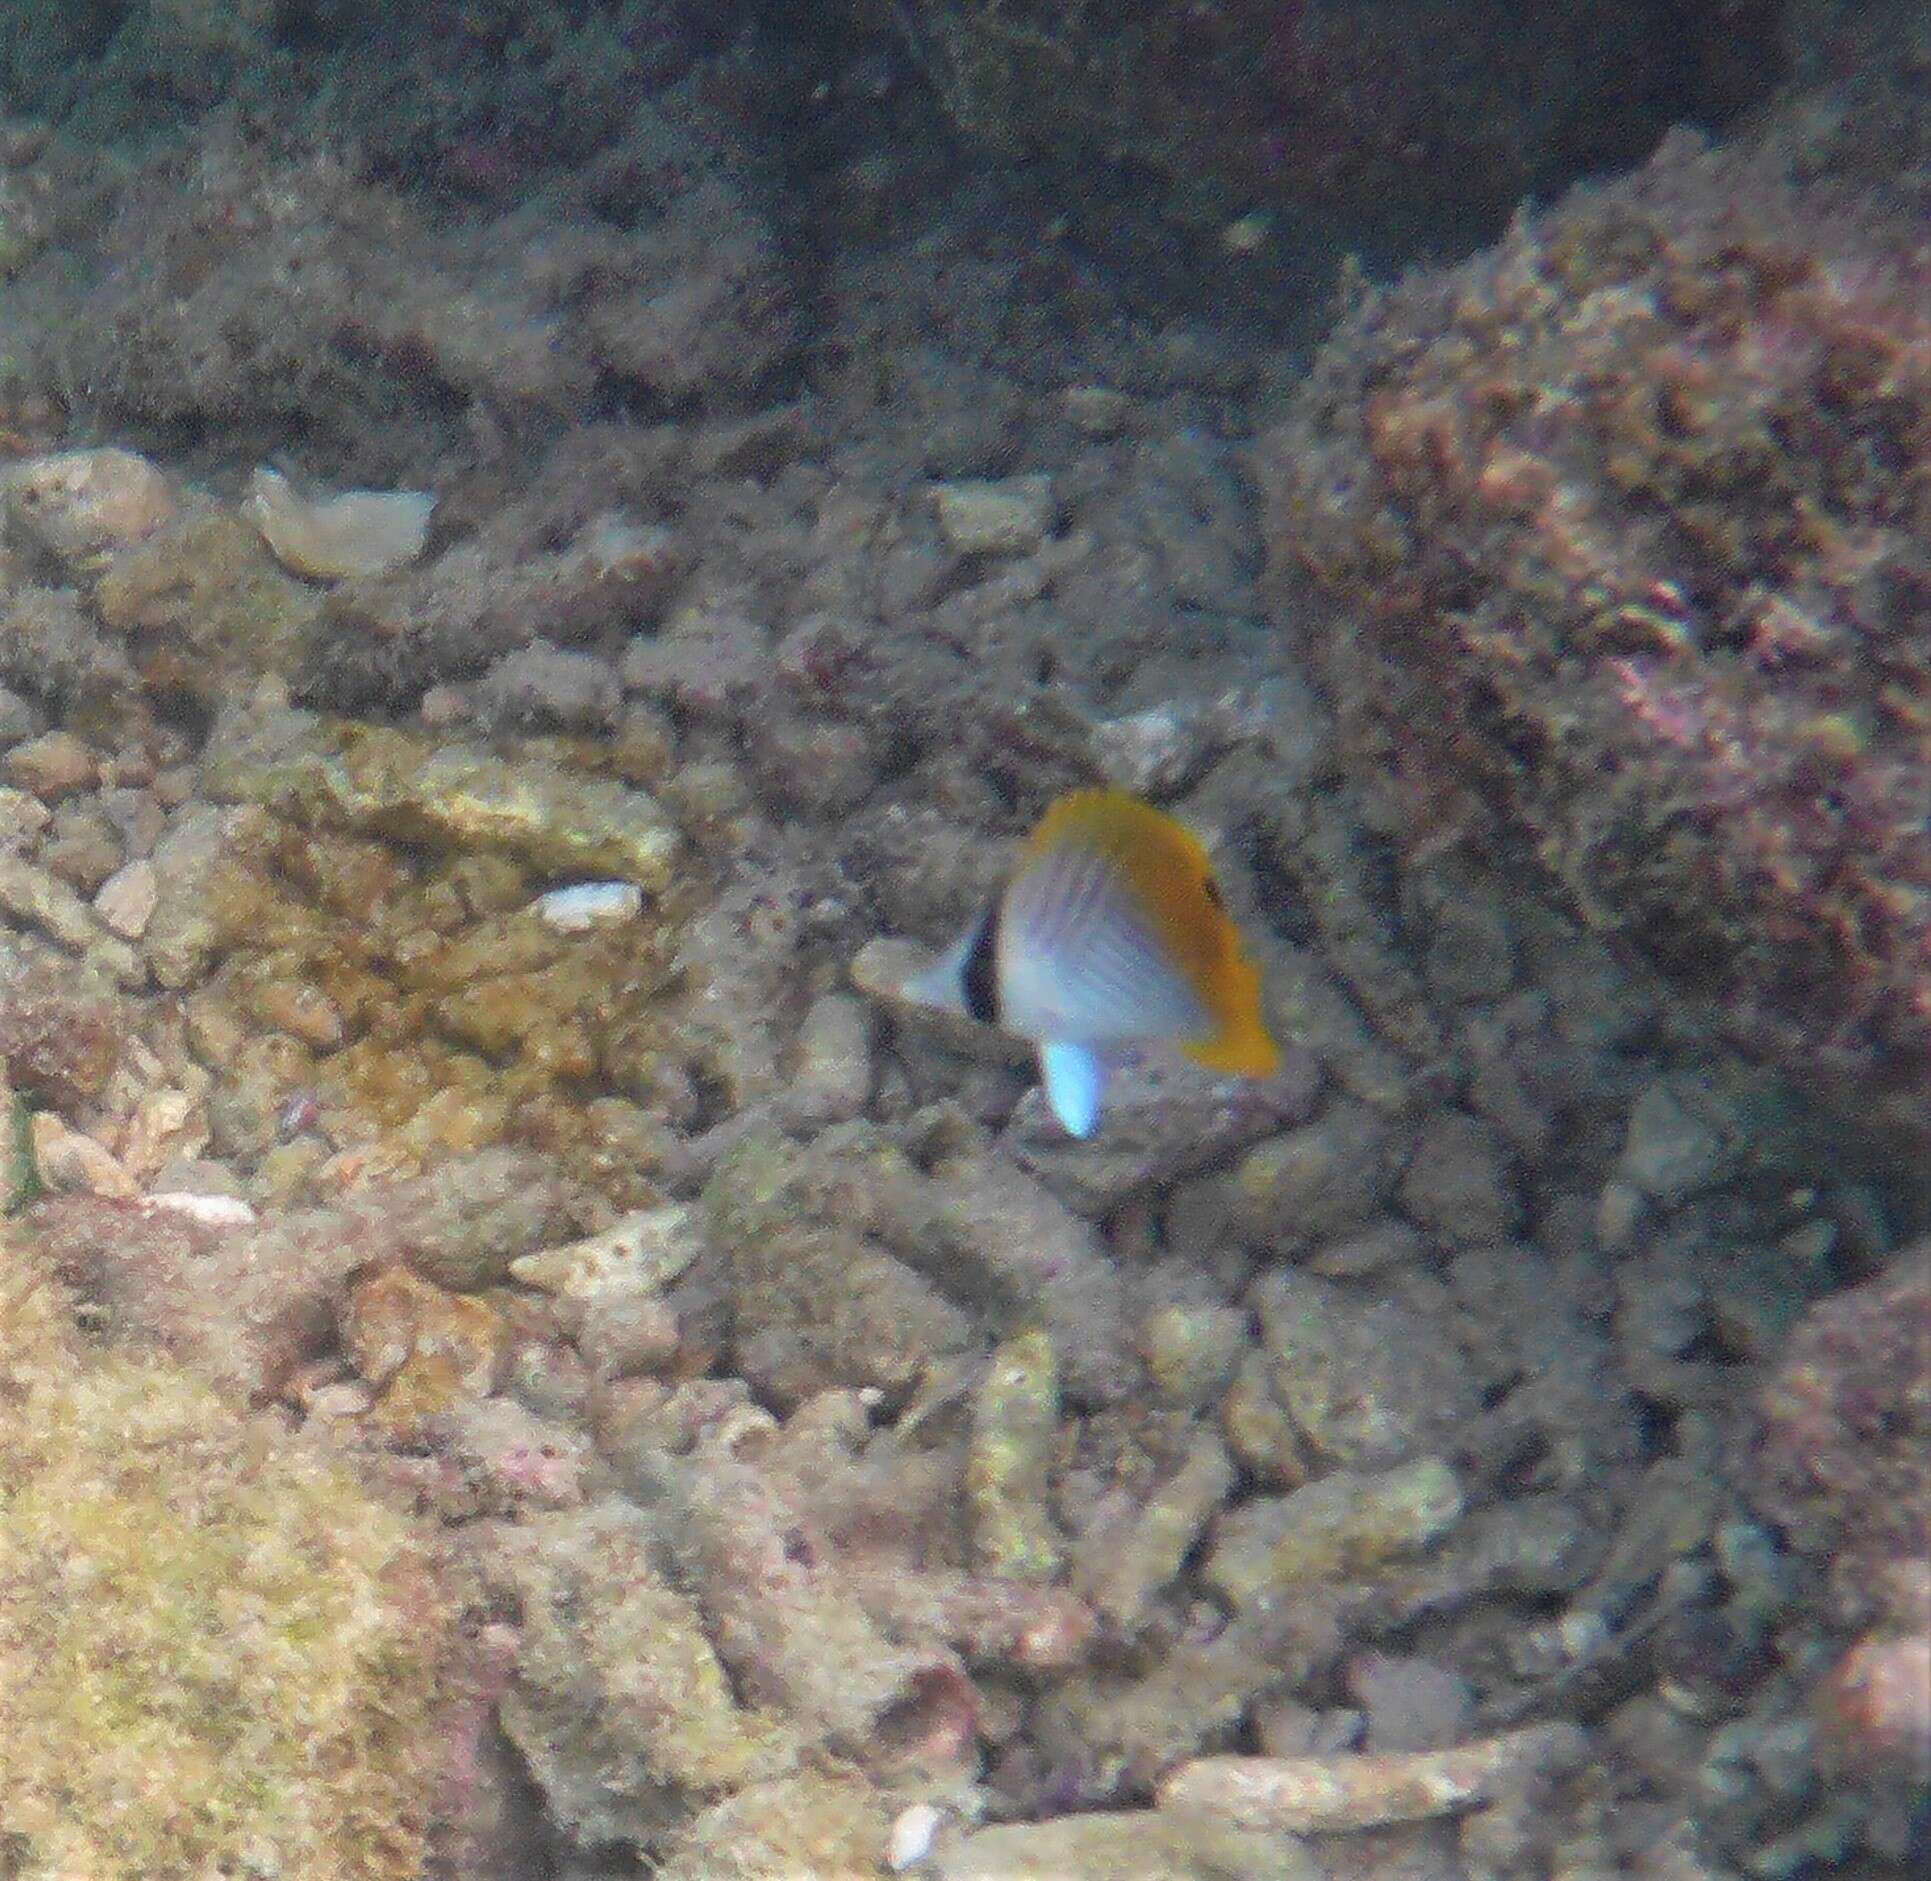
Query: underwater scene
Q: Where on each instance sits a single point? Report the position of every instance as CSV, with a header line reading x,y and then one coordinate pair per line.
x,y
984,939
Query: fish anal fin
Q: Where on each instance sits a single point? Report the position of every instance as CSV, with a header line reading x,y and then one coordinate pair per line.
x,y
1075,1081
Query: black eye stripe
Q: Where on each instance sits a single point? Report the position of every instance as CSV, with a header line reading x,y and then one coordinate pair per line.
x,y
980,980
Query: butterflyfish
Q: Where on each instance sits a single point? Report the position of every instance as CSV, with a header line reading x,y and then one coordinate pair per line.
x,y
1110,936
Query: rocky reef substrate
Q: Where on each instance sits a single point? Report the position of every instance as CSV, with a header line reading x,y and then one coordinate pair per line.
x,y
493,1271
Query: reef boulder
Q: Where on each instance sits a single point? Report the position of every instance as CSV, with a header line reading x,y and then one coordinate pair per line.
x,y
1843,1450
1620,530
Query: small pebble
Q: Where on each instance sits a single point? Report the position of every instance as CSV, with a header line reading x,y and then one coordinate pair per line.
x,y
129,769
625,1335
545,687
1122,1566
1676,1144
1156,751
166,1122
1008,517
52,766
1457,1184
521,1457
1098,410
446,705
1618,1214
18,717
67,1160
22,818
1411,1704
1015,1417
43,901
1383,1245
1192,1351
1876,1704
82,505
1344,1523
301,1010
82,849
834,1063
1284,1727
637,1254
175,786
196,1174
1359,1790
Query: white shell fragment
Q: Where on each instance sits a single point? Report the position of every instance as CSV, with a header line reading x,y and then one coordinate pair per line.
x,y
910,1840
212,1211
335,538
584,905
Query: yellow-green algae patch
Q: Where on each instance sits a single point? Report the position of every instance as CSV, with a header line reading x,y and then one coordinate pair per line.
x,y
382,781
217,1654
424,1004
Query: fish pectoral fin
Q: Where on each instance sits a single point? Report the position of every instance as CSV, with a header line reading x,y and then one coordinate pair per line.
x,y
1075,1080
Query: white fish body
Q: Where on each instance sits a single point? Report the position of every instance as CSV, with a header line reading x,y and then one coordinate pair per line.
x,y
1079,957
